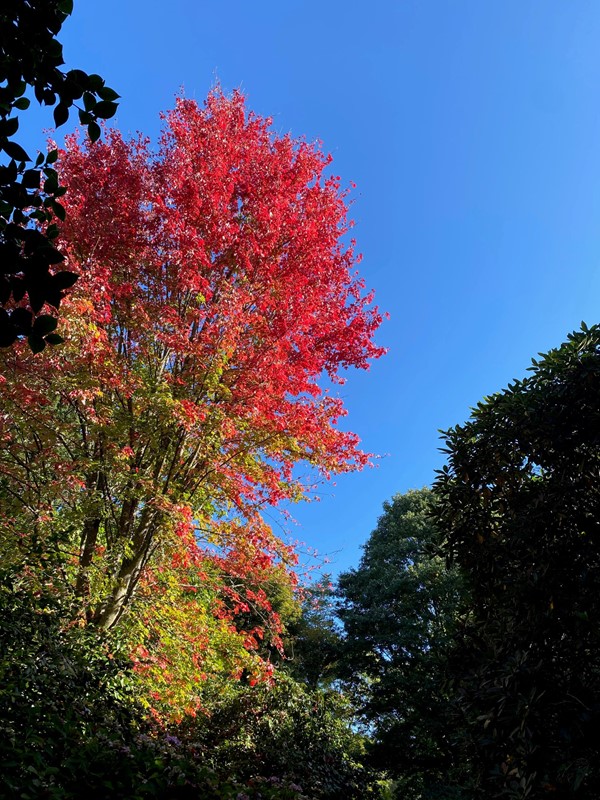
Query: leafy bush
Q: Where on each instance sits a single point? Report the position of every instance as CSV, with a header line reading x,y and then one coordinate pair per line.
x,y
286,733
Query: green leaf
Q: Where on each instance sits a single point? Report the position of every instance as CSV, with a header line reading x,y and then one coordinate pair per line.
x,y
22,103
52,156
65,6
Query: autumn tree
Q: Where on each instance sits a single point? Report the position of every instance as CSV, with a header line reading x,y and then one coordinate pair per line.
x,y
519,501
31,57
217,286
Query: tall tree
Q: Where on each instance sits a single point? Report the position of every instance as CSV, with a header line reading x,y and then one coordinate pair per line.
x,y
313,644
520,502
399,609
30,194
216,289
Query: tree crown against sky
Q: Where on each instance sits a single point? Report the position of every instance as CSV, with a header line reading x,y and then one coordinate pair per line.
x,y
520,506
217,287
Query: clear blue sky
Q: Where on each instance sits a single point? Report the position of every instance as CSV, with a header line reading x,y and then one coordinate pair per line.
x,y
472,131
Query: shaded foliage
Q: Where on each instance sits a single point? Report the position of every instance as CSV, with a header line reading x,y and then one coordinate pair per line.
x,y
30,193
399,609
71,724
520,503
313,643
286,730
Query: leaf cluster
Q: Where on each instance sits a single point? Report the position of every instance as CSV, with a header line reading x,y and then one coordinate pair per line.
x,y
290,733
31,57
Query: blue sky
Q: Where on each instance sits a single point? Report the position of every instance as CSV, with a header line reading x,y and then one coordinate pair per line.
x,y
472,131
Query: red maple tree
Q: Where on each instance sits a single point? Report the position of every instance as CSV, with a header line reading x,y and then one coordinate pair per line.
x,y
217,287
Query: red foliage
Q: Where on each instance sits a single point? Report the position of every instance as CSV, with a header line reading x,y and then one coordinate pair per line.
x,y
216,289
224,255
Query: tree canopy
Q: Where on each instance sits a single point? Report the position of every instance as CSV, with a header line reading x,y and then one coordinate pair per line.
x,y
156,639
519,501
216,288
399,610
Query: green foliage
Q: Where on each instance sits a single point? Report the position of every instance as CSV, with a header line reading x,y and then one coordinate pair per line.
x,y
70,725
314,642
31,57
520,502
399,610
285,734
65,701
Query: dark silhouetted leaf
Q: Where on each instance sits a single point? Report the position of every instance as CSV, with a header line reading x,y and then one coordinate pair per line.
x,y
105,109
108,94
66,6
54,339
36,343
64,280
8,335
61,114
58,210
44,324
31,179
15,151
95,82
9,127
21,318
51,255
94,131
89,101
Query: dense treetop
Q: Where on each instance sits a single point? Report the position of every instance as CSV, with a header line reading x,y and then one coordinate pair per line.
x,y
217,287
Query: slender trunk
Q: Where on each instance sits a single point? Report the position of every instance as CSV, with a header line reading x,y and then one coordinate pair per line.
x,y
87,547
113,607
89,539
